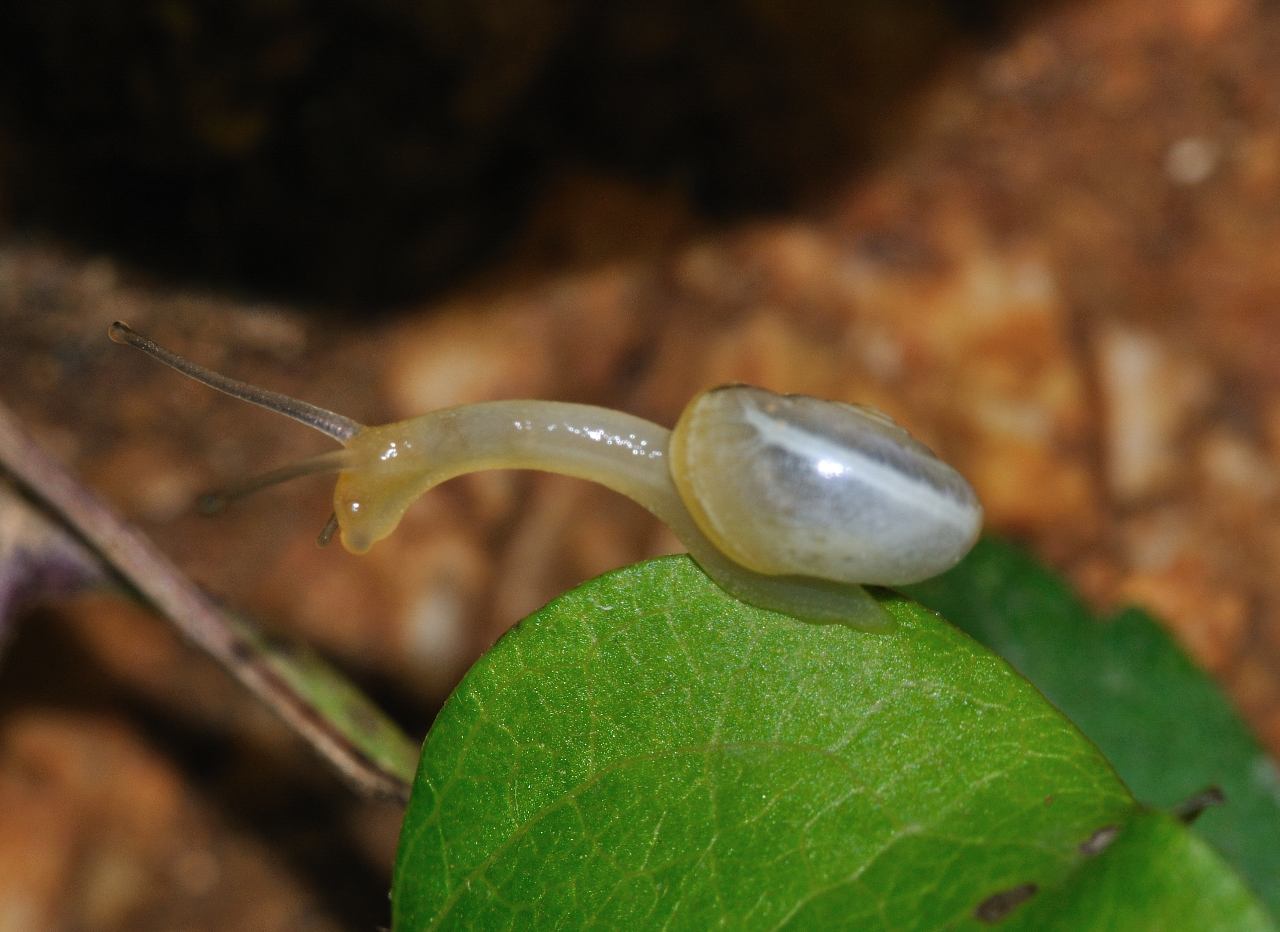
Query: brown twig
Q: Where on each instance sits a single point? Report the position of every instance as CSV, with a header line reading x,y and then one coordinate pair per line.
x,y
137,561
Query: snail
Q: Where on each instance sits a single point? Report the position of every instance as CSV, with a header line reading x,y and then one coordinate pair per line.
x,y
786,502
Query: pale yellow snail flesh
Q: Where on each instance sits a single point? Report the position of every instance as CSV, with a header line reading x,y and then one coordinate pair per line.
x,y
787,502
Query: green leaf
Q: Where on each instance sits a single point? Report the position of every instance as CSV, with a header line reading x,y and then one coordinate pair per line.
x,y
1161,721
1154,875
647,752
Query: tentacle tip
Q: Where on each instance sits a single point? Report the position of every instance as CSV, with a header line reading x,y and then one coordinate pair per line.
x,y
120,332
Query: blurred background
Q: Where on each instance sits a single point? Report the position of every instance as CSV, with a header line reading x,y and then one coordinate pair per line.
x,y
1045,237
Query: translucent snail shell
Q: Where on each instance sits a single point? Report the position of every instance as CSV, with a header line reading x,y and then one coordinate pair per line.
x,y
793,484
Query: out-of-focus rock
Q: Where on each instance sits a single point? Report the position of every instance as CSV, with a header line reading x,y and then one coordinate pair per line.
x,y
1149,398
562,338
97,831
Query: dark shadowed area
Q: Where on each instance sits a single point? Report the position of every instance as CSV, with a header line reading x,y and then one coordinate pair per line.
x,y
364,153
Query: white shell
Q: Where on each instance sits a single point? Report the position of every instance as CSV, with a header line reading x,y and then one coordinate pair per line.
x,y
788,484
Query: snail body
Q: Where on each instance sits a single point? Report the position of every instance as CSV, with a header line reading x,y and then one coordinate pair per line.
x,y
787,502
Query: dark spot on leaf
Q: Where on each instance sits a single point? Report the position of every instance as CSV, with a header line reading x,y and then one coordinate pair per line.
x,y
1189,810
1048,800
997,906
1097,842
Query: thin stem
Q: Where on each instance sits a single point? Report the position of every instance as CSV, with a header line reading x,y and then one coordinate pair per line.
x,y
148,571
328,422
